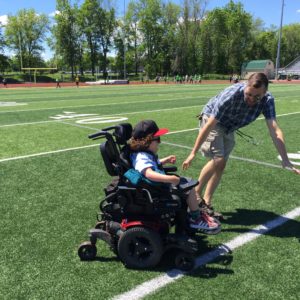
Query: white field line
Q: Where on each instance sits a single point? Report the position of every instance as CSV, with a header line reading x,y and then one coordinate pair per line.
x,y
120,91
102,104
131,113
46,153
232,156
101,116
67,149
28,123
282,115
171,144
154,284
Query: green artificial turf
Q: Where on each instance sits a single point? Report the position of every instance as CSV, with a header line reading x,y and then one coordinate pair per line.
x,y
50,201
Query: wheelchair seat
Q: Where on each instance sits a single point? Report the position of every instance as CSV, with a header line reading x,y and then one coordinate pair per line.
x,y
127,199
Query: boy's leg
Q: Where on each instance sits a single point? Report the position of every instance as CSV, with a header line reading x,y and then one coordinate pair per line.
x,y
198,219
192,201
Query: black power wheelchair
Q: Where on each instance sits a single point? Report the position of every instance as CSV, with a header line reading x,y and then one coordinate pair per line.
x,y
135,221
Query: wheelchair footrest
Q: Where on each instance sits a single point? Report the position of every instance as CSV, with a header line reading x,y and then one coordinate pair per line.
x,y
181,242
101,235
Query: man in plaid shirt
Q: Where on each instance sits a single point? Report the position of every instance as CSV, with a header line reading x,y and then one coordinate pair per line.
x,y
233,108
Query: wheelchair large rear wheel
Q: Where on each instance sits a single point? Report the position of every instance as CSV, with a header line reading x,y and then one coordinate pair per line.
x,y
140,248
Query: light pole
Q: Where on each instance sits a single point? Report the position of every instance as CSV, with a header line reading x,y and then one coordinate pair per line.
x,y
279,43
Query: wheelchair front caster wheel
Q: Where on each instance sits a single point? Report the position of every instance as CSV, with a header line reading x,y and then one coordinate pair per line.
x,y
184,261
87,251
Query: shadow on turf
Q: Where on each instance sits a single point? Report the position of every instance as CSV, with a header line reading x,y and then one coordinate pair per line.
x,y
248,217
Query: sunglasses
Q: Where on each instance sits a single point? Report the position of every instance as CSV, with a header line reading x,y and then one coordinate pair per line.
x,y
156,138
256,98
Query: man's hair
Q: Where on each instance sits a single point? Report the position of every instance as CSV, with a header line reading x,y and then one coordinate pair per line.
x,y
257,80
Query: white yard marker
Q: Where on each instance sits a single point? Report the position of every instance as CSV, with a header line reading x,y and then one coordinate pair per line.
x,y
133,113
113,115
159,282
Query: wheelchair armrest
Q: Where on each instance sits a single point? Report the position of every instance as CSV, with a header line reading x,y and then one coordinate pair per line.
x,y
187,184
170,169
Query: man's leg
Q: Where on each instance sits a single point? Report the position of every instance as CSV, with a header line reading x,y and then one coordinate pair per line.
x,y
210,177
213,182
205,175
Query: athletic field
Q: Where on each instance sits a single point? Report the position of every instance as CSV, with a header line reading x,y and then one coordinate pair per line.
x,y
52,179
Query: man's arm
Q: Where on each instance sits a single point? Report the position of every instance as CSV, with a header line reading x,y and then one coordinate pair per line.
x,y
203,133
278,140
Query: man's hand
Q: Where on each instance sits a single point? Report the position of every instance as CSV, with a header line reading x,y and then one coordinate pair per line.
x,y
186,164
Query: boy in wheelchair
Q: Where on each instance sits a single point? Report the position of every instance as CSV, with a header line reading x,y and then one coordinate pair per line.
x,y
144,145
144,201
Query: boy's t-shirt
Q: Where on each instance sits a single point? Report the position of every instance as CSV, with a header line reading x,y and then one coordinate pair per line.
x,y
143,160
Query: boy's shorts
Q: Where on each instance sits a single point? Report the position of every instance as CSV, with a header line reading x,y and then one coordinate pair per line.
x,y
218,143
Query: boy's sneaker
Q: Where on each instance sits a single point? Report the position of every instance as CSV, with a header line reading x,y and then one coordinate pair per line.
x,y
210,210
204,222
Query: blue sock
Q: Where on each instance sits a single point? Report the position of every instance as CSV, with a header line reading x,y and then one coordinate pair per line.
x,y
195,214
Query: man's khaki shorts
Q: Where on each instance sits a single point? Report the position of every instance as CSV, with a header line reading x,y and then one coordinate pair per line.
x,y
218,143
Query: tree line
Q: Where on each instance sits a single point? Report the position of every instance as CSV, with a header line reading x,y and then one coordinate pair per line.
x,y
154,37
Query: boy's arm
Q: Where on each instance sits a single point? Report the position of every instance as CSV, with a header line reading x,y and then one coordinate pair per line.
x,y
169,159
157,177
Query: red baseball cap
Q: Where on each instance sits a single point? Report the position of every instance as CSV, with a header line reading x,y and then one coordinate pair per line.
x,y
146,127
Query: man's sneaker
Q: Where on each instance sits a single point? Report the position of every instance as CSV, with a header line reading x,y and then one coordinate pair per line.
x,y
204,222
210,210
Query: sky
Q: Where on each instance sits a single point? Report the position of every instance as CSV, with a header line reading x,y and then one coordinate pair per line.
x,y
267,10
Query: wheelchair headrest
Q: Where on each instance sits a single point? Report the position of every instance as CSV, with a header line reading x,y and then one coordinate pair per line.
x,y
123,133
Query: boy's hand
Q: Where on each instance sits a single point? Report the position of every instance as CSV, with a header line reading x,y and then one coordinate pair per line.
x,y
175,180
169,159
172,159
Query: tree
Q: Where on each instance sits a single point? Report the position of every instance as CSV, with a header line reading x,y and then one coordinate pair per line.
x,y
189,37
107,26
2,42
132,34
68,37
150,24
264,46
290,47
226,38
90,14
171,14
4,62
25,33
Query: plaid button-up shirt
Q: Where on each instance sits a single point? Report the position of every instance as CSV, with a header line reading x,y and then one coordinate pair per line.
x,y
232,111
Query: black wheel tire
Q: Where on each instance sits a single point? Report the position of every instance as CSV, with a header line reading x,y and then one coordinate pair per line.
x,y
184,261
87,251
140,248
